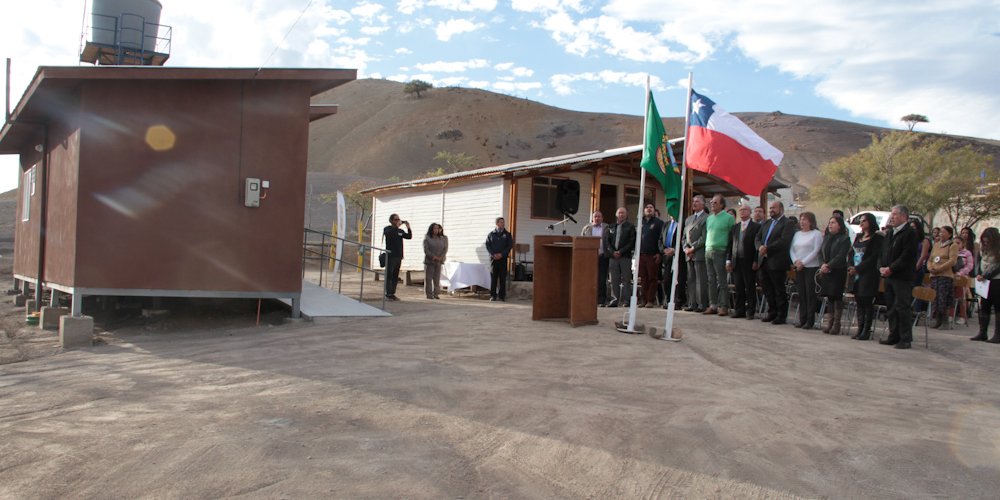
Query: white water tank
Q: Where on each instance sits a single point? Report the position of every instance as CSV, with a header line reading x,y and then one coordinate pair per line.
x,y
126,23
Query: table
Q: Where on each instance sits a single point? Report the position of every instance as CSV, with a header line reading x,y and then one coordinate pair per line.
x,y
457,275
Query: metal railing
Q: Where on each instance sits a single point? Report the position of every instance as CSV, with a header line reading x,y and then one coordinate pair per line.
x,y
315,248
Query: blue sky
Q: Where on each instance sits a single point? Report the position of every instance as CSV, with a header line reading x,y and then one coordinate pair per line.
x,y
864,61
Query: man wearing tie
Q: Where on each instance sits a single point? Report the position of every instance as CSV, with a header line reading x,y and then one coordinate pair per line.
x,y
741,262
694,252
774,240
597,228
667,244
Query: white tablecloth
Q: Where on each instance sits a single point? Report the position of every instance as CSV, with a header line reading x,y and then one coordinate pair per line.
x,y
457,275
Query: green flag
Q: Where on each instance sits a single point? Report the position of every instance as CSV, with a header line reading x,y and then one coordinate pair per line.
x,y
658,160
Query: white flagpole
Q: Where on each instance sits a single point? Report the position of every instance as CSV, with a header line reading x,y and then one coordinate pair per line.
x,y
638,225
668,327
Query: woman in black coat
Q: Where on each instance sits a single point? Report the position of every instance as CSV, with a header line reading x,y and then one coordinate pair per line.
x,y
834,257
867,247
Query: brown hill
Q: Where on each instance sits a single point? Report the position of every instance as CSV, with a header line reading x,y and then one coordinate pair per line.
x,y
381,132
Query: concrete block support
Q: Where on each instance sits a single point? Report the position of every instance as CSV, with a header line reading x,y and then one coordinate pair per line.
x,y
76,331
50,317
20,300
29,305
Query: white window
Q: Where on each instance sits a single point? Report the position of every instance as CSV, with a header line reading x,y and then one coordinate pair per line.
x,y
27,191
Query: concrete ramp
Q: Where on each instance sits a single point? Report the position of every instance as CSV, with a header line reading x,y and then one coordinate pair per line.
x,y
319,302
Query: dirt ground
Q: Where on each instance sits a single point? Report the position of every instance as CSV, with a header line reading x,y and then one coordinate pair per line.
x,y
466,398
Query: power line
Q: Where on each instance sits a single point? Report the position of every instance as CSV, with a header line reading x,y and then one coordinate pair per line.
x,y
278,45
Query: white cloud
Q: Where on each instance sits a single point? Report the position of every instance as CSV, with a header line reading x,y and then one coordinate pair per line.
x,y
547,6
453,67
447,29
464,5
403,51
346,40
367,11
522,72
408,7
562,83
518,71
516,86
374,30
877,60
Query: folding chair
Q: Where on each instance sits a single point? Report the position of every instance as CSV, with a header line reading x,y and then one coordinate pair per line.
x,y
928,295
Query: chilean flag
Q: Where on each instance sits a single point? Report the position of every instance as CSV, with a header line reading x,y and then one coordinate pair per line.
x,y
720,144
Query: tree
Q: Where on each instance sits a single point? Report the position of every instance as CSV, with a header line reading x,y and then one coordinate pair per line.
x,y
456,162
972,194
416,87
360,203
899,168
913,119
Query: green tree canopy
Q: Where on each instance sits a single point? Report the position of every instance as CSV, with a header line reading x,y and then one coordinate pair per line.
x,y
416,87
922,173
913,119
456,162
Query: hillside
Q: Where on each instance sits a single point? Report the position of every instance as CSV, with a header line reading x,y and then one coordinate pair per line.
x,y
381,132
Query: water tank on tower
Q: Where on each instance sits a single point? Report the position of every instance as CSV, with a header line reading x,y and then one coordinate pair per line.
x,y
127,32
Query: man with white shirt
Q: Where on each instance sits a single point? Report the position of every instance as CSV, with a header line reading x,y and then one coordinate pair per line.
x,y
597,228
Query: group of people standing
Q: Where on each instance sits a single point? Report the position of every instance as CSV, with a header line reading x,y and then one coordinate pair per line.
x,y
499,243
826,261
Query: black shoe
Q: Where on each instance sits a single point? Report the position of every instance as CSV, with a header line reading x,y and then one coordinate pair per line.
x,y
503,299
688,308
493,299
888,342
808,326
994,340
739,313
866,336
902,345
981,336
613,303
778,321
769,318
751,316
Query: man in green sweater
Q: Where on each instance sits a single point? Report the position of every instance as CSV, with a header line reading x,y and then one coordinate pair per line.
x,y
717,227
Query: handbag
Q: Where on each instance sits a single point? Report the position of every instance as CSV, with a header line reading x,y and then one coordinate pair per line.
x,y
382,256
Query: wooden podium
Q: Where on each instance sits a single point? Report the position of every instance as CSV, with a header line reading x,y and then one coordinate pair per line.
x,y
565,283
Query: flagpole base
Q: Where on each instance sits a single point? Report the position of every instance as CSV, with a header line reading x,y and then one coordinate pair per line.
x,y
622,327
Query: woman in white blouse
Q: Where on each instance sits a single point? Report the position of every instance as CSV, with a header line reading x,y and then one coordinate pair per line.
x,y
805,260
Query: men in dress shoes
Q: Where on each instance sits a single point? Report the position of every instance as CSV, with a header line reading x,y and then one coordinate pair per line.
x,y
741,262
694,256
898,268
774,241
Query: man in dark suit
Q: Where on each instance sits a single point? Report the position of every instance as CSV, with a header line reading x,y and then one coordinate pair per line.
x,y
773,243
898,267
741,262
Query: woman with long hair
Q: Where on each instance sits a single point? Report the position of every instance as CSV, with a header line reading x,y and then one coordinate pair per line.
x,y
989,269
435,251
834,257
867,249
805,259
968,266
943,257
972,245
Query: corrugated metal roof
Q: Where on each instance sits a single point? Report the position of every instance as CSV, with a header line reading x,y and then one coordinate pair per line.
x,y
704,183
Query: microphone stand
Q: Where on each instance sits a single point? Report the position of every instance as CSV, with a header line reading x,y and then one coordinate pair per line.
x,y
567,217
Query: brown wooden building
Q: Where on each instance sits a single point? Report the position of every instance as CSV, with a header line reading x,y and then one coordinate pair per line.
x,y
139,181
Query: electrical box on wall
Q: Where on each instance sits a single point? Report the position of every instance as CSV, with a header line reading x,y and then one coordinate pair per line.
x,y
251,196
